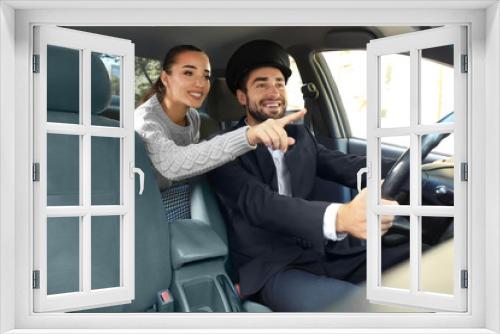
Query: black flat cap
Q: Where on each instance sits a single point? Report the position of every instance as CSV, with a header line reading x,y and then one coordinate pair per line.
x,y
254,54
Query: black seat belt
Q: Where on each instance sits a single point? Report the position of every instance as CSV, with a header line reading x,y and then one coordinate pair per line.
x,y
310,94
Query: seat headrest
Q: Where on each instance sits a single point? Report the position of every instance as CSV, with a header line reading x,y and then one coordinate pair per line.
x,y
63,71
222,105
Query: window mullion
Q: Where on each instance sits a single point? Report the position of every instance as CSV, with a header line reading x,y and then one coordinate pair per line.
x,y
414,254
127,273
404,210
460,149
373,160
417,129
414,170
40,156
86,163
85,248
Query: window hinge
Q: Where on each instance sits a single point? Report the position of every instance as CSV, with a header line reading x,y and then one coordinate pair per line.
x,y
464,279
36,172
464,171
36,279
465,64
36,63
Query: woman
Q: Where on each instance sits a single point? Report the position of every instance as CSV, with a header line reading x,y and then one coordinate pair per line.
x,y
169,123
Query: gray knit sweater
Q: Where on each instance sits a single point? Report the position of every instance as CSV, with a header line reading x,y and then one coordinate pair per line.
x,y
174,150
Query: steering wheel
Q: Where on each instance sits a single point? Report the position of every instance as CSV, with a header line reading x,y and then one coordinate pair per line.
x,y
397,177
398,174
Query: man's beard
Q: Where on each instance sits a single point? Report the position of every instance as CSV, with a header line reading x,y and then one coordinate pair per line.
x,y
257,114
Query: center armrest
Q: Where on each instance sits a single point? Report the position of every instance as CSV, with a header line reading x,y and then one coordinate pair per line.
x,y
194,240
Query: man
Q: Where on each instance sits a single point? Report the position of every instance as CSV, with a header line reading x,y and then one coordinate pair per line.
x,y
293,250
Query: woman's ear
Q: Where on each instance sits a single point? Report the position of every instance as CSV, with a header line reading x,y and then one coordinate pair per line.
x,y
164,78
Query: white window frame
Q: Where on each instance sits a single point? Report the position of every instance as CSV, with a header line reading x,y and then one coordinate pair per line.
x,y
86,297
413,43
16,21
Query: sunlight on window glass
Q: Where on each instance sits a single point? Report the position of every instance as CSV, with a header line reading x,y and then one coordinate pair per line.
x,y
394,91
293,88
348,69
436,87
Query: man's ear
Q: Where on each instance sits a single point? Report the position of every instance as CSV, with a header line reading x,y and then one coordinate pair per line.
x,y
242,97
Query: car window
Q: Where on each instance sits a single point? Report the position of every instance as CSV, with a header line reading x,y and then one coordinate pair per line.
x,y
293,87
348,69
146,72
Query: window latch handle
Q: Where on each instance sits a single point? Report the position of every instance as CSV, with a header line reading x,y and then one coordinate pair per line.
x,y
138,171
359,175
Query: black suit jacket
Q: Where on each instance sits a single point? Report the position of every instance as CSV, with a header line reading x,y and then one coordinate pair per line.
x,y
268,231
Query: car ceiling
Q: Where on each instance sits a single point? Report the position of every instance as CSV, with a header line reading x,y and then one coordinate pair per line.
x,y
221,42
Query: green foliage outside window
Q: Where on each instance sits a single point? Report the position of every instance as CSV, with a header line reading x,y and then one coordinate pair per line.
x,y
146,72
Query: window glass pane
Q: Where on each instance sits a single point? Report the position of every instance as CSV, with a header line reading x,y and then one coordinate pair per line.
x,y
438,171
63,169
437,255
106,80
106,171
348,68
399,184
63,255
105,252
293,88
396,243
394,91
63,85
436,84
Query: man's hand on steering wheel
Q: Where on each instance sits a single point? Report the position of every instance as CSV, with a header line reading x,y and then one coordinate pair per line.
x,y
351,217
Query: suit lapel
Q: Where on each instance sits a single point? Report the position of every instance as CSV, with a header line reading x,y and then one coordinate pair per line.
x,y
261,160
266,166
294,160
294,157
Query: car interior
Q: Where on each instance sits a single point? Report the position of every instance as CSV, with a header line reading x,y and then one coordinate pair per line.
x,y
185,266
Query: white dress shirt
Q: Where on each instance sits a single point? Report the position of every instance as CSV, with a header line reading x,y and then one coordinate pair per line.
x,y
285,188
